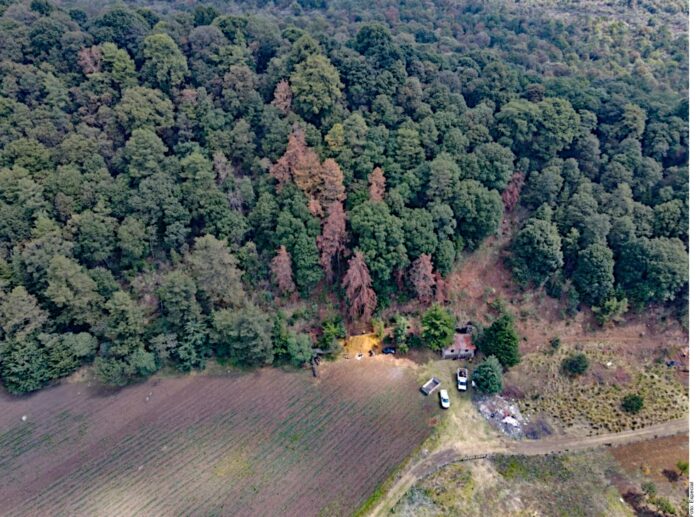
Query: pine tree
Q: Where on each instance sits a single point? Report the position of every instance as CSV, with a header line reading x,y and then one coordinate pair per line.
x,y
331,189
377,184
282,97
501,340
358,285
511,194
422,278
332,240
299,164
281,267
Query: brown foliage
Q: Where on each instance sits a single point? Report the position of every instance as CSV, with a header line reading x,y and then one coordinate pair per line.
x,y
299,163
331,189
377,184
90,60
422,278
440,289
358,285
282,96
332,240
281,267
314,207
511,194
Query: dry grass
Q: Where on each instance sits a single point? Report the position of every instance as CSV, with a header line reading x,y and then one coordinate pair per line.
x,y
592,401
518,486
361,343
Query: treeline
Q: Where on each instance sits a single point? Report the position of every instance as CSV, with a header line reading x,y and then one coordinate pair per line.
x,y
168,181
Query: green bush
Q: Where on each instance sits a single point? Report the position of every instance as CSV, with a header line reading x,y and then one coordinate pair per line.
x,y
555,343
488,376
649,488
632,403
437,327
575,365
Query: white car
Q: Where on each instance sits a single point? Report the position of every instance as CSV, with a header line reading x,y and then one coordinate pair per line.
x,y
444,399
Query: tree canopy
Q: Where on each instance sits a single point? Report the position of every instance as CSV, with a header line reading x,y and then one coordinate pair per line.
x,y
172,178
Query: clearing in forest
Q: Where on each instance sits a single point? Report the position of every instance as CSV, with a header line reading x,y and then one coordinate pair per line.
x,y
261,443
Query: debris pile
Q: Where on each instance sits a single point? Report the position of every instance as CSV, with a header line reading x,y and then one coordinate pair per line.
x,y
503,414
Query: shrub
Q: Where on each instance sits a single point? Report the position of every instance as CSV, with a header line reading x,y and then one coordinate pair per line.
x,y
332,330
400,334
437,327
555,343
683,468
575,365
488,376
649,488
611,311
378,327
299,349
632,403
664,505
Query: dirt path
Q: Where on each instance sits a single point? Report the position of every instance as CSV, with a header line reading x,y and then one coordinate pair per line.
x,y
436,460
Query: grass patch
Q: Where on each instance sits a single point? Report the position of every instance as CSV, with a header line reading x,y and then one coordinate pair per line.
x,y
532,468
558,485
593,399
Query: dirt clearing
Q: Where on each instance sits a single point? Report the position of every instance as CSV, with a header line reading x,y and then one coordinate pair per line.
x,y
261,443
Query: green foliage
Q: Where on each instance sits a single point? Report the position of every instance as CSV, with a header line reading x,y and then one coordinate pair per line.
x,y
488,376
316,86
532,468
555,343
683,468
500,339
632,403
400,334
332,330
575,365
649,489
243,335
437,327
381,239
136,200
300,349
594,276
478,212
664,505
165,66
536,252
377,327
611,310
652,270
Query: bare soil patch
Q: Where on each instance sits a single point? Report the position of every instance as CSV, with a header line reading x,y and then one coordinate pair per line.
x,y
261,443
653,458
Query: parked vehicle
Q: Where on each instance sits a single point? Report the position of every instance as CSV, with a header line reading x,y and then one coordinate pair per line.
x,y
430,386
444,399
462,378
389,350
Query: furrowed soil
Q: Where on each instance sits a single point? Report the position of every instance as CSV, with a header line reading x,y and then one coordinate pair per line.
x,y
262,443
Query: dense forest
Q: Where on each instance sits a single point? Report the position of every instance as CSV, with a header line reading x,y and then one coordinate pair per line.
x,y
172,176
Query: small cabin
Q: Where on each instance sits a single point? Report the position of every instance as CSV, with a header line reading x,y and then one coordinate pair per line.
x,y
462,348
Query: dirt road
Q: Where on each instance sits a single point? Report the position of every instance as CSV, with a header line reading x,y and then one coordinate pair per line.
x,y
438,459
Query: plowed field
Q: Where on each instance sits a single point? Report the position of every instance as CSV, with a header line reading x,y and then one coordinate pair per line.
x,y
253,444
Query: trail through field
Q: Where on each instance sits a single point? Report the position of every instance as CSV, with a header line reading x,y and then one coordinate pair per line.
x,y
262,443
447,454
